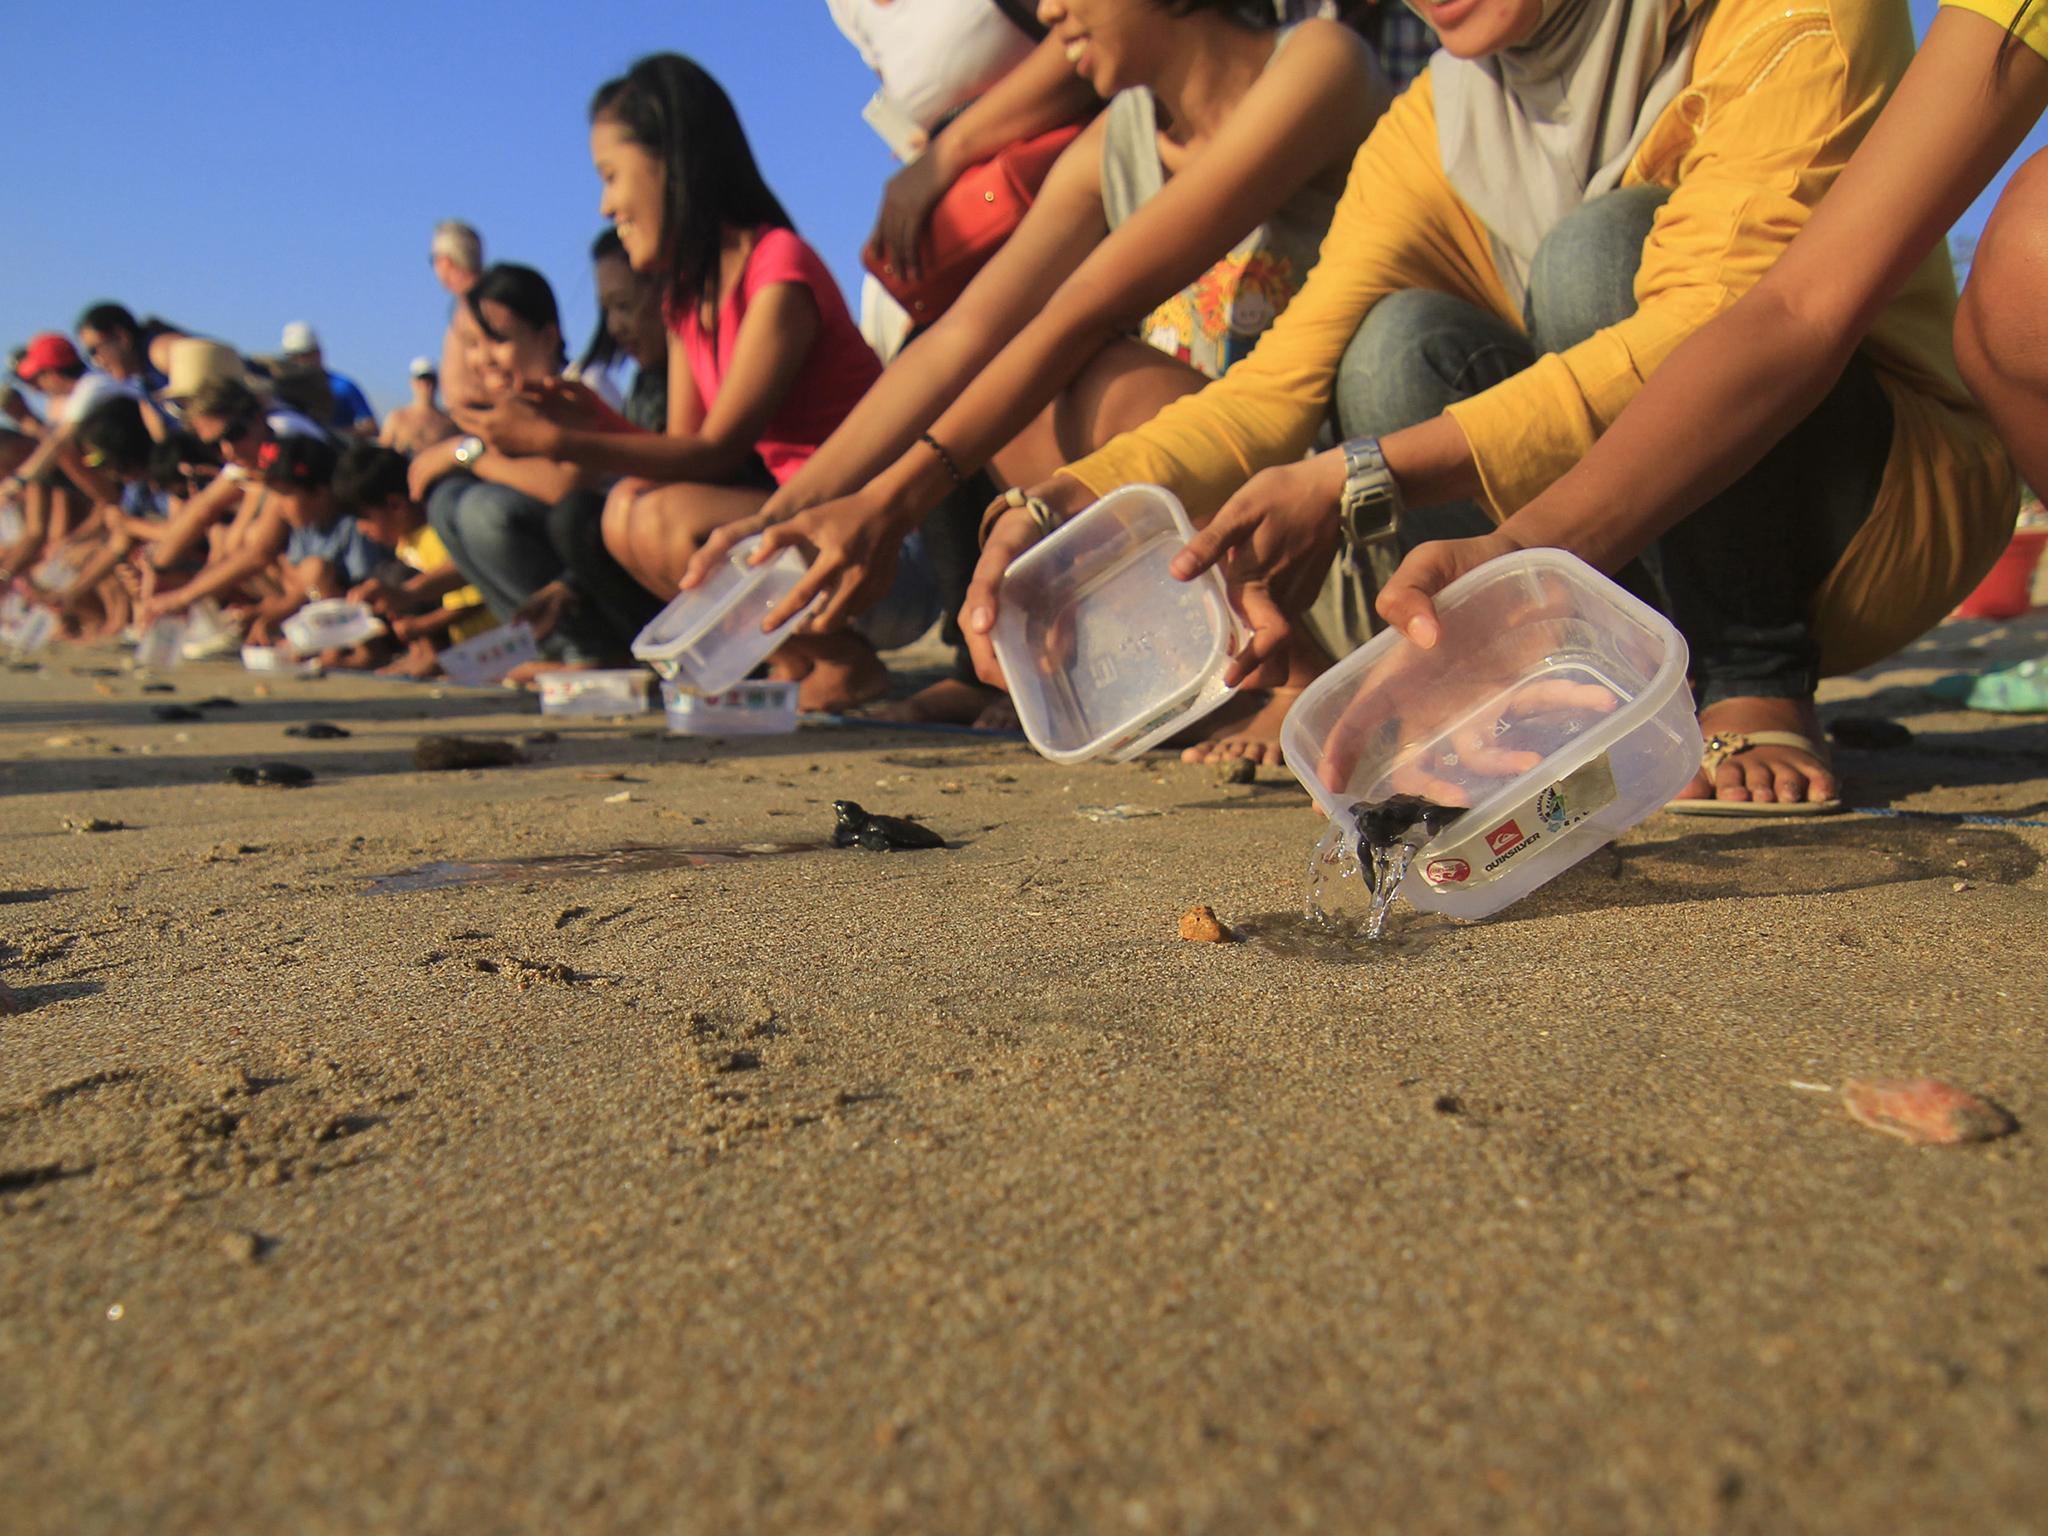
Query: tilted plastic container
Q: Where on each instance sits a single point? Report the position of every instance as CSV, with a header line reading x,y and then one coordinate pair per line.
x,y
751,709
710,637
162,645
1554,707
29,630
330,624
1105,653
621,691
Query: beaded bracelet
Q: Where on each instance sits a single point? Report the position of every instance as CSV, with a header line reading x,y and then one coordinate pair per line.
x,y
945,458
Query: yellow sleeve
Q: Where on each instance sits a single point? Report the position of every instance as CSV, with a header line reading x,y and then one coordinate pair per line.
x,y
2032,30
1780,98
1397,226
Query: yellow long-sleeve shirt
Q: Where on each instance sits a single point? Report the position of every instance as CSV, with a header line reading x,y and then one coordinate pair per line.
x,y
1781,94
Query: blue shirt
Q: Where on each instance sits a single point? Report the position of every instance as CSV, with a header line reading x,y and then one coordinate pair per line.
x,y
351,405
342,545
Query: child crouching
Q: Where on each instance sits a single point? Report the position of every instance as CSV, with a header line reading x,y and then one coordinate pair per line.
x,y
422,595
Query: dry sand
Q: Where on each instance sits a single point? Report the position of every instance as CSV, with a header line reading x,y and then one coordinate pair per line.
x,y
853,1192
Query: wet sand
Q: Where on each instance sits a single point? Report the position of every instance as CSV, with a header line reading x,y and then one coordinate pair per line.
x,y
952,1191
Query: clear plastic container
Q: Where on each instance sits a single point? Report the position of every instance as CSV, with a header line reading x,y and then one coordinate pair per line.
x,y
162,645
275,658
619,692
482,661
1554,709
330,624
1105,653
710,637
29,630
751,709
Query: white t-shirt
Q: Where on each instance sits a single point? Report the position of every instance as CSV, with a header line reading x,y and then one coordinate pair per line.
x,y
93,391
932,55
283,421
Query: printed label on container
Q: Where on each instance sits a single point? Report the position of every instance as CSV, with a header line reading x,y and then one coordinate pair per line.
x,y
1486,853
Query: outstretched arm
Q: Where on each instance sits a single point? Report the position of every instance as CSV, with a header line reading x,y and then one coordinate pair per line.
x,y
1721,400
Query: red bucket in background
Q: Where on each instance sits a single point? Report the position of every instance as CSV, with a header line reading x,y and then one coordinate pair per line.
x,y
2007,590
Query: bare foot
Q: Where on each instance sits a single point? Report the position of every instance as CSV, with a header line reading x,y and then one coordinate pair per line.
x,y
1764,775
1246,728
833,673
955,701
419,659
1001,715
528,673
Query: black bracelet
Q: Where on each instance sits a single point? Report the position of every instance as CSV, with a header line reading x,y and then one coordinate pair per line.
x,y
945,458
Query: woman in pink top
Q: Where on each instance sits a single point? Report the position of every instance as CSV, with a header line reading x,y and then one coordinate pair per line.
x,y
764,360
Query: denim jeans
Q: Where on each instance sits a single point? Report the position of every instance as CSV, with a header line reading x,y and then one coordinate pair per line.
x,y
1738,576
499,538
611,607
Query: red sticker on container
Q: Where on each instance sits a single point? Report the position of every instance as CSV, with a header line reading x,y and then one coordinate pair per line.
x,y
1447,872
1503,837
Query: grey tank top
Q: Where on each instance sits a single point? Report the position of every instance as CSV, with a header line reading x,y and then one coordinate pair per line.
x,y
1215,320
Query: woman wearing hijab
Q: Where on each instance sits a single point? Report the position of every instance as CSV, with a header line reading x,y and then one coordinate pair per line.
x,y
1574,189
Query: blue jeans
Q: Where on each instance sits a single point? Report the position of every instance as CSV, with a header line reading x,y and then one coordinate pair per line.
x,y
911,604
499,538
511,545
1738,576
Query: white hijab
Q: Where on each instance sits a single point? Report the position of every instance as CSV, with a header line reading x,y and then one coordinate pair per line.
x,y
1530,133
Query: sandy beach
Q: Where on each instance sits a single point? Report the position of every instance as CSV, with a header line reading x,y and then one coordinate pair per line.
x,y
826,1190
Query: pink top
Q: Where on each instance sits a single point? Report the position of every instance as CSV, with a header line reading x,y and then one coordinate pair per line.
x,y
834,377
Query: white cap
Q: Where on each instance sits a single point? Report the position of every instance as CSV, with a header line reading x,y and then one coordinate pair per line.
x,y
298,339
423,368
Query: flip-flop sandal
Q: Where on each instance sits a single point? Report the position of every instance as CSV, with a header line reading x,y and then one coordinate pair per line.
x,y
1726,744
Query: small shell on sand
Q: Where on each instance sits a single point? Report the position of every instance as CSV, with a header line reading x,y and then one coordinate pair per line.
x,y
1198,925
1925,1111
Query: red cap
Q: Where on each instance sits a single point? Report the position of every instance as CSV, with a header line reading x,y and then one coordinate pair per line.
x,y
47,351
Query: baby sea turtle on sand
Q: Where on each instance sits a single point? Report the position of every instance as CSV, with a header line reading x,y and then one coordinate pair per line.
x,y
280,775
858,828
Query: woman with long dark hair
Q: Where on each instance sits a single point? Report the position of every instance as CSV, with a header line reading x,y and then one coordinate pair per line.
x,y
763,359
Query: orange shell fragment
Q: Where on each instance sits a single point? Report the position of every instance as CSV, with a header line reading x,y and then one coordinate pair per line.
x,y
1925,1111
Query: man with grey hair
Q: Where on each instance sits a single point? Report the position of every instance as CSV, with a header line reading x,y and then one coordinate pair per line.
x,y
457,253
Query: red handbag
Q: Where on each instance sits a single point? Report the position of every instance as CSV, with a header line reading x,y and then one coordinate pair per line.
x,y
970,222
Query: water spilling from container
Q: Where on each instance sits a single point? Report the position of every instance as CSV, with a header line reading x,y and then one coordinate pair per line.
x,y
1355,872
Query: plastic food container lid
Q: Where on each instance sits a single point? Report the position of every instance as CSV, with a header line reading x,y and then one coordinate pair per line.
x,y
1554,708
710,637
1105,653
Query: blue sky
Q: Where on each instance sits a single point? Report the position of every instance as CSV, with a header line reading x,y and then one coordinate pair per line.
x,y
239,165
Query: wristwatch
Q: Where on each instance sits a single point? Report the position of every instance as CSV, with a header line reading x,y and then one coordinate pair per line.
x,y
1371,501
469,450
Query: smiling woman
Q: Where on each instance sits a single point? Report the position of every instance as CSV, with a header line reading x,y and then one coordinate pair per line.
x,y
763,359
